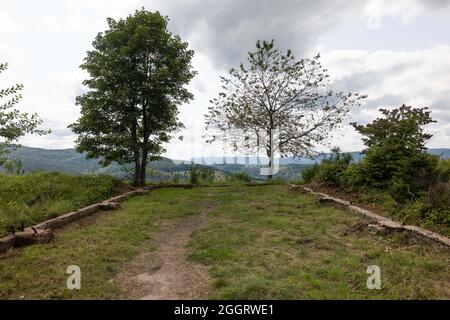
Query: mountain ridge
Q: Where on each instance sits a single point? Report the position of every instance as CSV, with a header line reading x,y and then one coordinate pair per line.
x,y
70,161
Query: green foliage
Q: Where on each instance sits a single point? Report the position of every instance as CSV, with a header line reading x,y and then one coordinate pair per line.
x,y
177,177
308,174
412,183
154,174
332,169
443,169
13,166
286,247
13,123
433,209
32,198
138,70
101,248
200,174
396,158
240,177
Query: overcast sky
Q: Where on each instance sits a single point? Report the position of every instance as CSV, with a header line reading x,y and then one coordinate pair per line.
x,y
395,51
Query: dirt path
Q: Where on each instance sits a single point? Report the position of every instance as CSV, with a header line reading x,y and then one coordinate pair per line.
x,y
166,273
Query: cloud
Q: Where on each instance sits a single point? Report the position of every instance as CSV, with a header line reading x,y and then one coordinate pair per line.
x,y
88,15
406,10
221,32
8,24
391,78
54,101
226,30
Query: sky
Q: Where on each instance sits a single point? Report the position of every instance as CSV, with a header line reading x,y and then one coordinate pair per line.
x,y
397,52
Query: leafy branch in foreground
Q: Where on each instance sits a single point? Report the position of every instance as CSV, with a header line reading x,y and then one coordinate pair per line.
x,y
14,123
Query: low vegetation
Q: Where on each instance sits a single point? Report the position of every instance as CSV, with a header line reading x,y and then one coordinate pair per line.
x,y
396,174
255,246
28,199
99,248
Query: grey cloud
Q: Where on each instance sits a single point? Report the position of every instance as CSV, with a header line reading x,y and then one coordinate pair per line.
x,y
440,110
363,81
436,4
60,133
227,30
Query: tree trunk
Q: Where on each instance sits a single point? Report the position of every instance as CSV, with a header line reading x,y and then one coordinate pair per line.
x,y
269,177
269,153
137,166
143,173
145,129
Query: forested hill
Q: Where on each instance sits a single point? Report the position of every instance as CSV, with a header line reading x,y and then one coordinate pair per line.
x,y
70,161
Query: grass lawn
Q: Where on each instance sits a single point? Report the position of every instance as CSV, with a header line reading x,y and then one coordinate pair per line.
x,y
260,243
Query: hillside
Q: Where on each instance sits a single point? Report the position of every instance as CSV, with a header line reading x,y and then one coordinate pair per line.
x,y
70,161
356,155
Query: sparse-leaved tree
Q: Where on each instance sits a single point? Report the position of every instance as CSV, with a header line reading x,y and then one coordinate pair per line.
x,y
277,95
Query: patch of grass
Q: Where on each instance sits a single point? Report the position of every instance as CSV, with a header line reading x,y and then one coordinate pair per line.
x,y
99,249
35,197
274,244
261,243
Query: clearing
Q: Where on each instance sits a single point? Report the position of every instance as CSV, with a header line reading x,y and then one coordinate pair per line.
x,y
233,242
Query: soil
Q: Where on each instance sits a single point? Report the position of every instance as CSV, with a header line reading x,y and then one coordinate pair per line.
x,y
166,273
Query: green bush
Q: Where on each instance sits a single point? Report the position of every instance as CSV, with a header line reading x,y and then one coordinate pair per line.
x,y
332,169
411,184
443,169
330,173
176,177
194,175
308,174
207,175
413,177
199,174
354,176
439,195
240,177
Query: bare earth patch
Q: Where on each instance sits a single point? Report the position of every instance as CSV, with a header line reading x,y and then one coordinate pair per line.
x,y
166,274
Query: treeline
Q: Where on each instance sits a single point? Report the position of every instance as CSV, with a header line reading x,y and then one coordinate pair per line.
x,y
396,173
26,200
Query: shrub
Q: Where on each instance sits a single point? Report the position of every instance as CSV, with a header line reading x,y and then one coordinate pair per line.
x,y
194,175
308,174
198,174
354,176
395,157
443,169
207,174
413,177
176,177
240,177
332,169
439,195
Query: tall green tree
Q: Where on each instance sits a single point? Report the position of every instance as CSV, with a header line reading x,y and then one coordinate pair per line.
x,y
275,94
138,72
14,123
